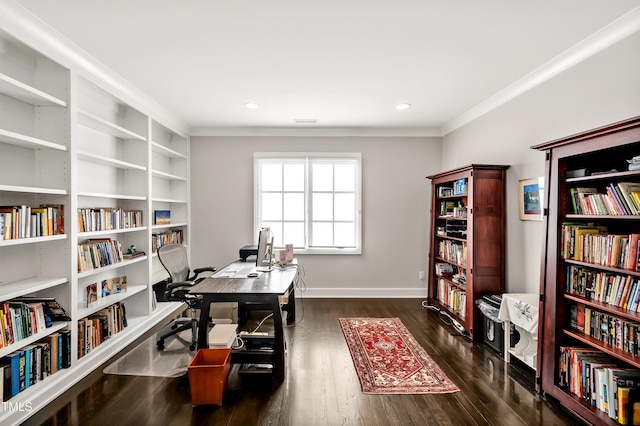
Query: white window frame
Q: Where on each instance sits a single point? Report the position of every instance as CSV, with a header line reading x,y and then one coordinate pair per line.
x,y
308,158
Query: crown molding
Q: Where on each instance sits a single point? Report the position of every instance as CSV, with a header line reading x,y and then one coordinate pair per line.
x,y
23,25
318,131
611,34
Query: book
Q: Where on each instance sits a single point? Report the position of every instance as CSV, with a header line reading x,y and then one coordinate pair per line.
x,y
635,195
53,310
133,255
581,204
52,340
98,252
591,394
38,357
580,317
6,381
600,384
622,377
626,188
624,399
65,348
60,351
28,363
55,214
13,361
579,238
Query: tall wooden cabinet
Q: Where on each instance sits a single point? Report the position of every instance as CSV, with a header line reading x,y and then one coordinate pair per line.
x,y
67,140
577,269
467,240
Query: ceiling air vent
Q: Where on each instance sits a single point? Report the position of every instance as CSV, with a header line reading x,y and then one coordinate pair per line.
x,y
305,120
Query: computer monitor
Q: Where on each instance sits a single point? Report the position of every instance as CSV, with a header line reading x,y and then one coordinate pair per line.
x,y
265,250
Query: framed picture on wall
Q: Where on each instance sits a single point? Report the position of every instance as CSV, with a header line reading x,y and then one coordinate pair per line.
x,y
530,198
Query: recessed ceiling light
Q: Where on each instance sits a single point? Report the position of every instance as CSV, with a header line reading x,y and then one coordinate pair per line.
x,y
250,105
403,106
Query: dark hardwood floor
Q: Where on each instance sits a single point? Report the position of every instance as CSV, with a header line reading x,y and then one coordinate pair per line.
x,y
321,386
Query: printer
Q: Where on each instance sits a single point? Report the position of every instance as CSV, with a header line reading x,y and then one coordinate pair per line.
x,y
248,251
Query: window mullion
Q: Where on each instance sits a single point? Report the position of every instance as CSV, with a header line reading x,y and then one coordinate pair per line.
x,y
308,184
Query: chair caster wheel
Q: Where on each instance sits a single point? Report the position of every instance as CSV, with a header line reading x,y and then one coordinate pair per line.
x,y
192,348
160,345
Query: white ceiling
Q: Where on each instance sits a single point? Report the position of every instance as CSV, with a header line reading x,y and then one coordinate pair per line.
x,y
343,63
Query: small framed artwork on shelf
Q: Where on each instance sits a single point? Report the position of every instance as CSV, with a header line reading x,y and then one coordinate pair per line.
x,y
162,217
92,294
530,198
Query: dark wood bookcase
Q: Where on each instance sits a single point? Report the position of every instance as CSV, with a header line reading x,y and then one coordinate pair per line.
x,y
468,237
593,159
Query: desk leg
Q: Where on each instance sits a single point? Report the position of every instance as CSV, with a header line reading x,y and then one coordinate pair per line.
x,y
278,350
507,340
290,306
203,324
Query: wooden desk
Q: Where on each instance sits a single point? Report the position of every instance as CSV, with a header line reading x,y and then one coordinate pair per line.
x,y
265,289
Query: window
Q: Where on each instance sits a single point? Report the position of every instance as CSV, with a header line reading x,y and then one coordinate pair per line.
x,y
310,200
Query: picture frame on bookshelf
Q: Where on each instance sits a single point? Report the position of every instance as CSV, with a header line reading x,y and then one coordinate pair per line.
x,y
114,285
530,198
92,294
162,217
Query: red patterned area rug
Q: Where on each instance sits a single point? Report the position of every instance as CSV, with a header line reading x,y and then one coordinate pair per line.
x,y
389,360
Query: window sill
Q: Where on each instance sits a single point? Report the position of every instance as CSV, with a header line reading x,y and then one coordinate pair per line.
x,y
341,251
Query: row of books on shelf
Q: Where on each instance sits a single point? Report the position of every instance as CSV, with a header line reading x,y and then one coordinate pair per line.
x,y
28,222
107,288
452,209
609,329
588,242
29,365
452,251
606,287
170,237
23,317
456,187
452,296
97,327
622,198
597,379
107,219
96,253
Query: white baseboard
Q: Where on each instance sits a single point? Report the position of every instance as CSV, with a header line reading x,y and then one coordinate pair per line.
x,y
363,293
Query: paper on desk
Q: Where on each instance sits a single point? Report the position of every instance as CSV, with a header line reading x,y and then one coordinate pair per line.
x,y
234,272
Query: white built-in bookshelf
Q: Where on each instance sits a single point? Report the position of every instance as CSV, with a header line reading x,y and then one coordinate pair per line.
x,y
169,183
66,139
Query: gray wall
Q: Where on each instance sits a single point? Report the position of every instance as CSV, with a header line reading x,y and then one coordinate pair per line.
x,y
603,89
395,210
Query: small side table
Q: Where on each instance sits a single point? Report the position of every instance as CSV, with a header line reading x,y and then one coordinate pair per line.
x,y
521,309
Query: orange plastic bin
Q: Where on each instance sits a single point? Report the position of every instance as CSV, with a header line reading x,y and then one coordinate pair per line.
x,y
208,374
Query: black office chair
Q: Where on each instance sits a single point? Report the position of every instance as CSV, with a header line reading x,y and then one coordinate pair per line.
x,y
174,259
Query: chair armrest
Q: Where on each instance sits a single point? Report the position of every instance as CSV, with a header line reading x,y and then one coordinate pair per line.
x,y
172,286
178,291
198,271
205,269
